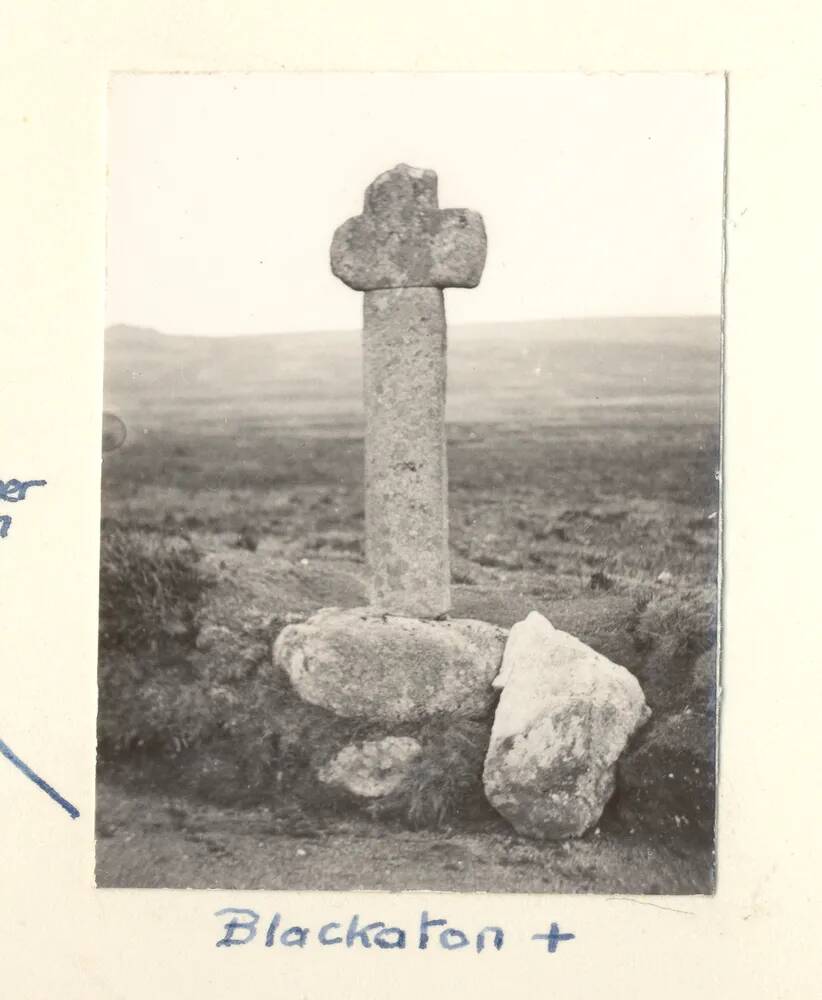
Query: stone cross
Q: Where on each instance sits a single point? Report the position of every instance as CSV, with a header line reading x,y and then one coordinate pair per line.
x,y
402,252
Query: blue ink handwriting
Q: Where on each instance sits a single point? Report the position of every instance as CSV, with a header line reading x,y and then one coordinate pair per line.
x,y
14,491
241,928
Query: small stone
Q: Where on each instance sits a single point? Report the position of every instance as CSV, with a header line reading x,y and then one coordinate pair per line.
x,y
372,769
565,716
363,664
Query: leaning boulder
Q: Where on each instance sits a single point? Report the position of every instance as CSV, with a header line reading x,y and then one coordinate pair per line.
x,y
364,664
565,716
372,769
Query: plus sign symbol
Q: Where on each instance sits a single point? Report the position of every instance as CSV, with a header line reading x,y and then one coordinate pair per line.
x,y
553,938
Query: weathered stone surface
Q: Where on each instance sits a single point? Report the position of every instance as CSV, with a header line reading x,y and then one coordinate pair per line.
x,y
406,481
565,716
361,664
372,769
252,595
402,251
404,240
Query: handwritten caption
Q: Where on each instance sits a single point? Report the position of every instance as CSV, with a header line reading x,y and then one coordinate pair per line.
x,y
240,927
14,491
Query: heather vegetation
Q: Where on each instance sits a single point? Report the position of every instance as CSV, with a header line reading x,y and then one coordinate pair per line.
x,y
236,507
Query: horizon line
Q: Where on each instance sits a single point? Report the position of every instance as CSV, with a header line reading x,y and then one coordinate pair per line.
x,y
603,317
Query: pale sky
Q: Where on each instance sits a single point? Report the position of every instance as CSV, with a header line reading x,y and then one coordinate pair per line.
x,y
602,195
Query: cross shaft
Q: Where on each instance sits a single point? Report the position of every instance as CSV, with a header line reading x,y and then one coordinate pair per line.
x,y
402,251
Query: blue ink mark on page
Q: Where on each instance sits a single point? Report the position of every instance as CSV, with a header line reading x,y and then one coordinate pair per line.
x,y
13,491
356,934
553,937
9,754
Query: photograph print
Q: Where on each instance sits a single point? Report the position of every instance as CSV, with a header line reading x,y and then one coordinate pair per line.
x,y
410,530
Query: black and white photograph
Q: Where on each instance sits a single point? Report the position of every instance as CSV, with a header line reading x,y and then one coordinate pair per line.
x,y
411,483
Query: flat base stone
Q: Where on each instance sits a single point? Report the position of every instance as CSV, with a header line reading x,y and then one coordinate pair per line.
x,y
363,664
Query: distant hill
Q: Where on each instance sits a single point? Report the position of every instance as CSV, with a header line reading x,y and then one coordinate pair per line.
x,y
538,372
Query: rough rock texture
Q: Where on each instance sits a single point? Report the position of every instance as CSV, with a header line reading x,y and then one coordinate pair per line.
x,y
565,716
372,769
360,664
404,240
402,251
667,776
406,479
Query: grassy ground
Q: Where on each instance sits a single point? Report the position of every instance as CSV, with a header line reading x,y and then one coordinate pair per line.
x,y
583,463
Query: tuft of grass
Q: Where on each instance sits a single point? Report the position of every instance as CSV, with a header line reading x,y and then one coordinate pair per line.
x,y
158,704
684,623
600,581
445,783
152,697
150,588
